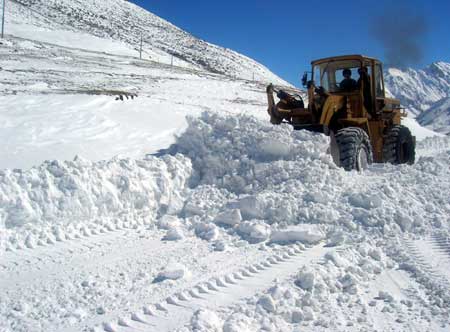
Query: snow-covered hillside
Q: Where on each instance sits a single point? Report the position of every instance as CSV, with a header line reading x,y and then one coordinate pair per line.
x,y
58,102
424,93
125,22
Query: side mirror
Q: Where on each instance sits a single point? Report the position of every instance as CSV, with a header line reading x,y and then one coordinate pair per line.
x,y
305,78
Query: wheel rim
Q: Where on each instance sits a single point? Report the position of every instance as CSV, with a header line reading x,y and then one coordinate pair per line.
x,y
363,160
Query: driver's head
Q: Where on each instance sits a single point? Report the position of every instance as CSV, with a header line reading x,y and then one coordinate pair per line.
x,y
362,70
347,73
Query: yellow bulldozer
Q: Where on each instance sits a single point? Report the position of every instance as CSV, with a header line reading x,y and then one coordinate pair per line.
x,y
347,101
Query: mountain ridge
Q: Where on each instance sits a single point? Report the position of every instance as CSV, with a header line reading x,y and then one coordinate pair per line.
x,y
419,89
127,22
424,92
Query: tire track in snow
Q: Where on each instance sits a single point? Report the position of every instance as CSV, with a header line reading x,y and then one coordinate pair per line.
x,y
77,243
102,275
222,291
432,254
443,243
38,265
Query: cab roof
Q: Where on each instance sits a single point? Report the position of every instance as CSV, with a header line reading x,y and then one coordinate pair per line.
x,y
345,57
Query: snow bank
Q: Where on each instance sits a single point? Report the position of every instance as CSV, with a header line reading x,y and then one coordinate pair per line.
x,y
240,152
238,186
67,199
237,179
260,196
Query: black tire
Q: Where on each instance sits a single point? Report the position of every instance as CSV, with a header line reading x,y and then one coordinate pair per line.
x,y
399,146
354,149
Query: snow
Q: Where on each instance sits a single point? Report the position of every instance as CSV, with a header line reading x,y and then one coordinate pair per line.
x,y
72,110
424,93
206,321
45,200
122,23
71,39
183,209
297,234
305,280
419,131
267,303
292,206
172,272
230,218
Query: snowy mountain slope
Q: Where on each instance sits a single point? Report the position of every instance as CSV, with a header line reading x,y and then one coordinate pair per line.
x,y
125,22
418,90
437,117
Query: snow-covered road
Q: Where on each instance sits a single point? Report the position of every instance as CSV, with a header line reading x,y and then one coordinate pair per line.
x,y
86,278
220,291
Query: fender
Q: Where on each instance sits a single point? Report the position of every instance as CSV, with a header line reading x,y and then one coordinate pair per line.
x,y
332,104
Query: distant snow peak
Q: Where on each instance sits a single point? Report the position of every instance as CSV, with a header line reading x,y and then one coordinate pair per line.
x,y
424,92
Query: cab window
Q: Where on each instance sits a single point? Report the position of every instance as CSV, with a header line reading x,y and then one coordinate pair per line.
x,y
329,75
379,89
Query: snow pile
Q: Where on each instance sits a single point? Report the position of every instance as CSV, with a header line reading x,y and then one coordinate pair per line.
x,y
300,196
239,153
238,186
245,172
60,200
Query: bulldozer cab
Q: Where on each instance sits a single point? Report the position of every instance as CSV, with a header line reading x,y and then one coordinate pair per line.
x,y
366,79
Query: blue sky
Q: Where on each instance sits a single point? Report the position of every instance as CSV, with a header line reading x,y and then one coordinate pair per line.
x,y
286,35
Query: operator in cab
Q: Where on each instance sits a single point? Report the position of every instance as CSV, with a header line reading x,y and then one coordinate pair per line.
x,y
348,84
364,84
